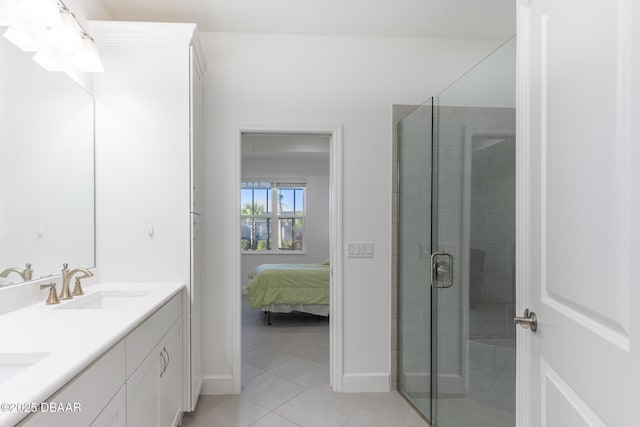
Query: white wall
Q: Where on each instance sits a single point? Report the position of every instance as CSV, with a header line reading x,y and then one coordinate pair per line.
x,y
297,81
316,173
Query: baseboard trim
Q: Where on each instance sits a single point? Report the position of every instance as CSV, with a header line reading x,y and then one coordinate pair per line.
x,y
193,399
366,382
199,389
217,384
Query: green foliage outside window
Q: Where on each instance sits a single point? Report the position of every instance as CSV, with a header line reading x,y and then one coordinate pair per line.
x,y
270,214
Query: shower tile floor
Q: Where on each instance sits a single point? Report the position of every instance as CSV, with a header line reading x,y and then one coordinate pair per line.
x,y
285,375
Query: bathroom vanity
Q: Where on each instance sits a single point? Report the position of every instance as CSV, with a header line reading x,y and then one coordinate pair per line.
x,y
112,357
124,353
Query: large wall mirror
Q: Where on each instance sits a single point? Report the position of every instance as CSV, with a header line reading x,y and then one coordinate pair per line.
x,y
46,169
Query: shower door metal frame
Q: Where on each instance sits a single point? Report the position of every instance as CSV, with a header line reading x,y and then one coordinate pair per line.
x,y
434,230
428,419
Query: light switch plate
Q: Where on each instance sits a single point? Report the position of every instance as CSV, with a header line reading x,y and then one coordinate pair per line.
x,y
360,250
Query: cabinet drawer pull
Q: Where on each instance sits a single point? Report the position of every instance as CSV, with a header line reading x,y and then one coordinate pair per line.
x,y
165,362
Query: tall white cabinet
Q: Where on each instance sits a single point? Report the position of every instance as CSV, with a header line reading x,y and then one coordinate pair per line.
x,y
148,170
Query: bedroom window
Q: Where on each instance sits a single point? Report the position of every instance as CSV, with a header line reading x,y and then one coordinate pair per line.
x,y
272,216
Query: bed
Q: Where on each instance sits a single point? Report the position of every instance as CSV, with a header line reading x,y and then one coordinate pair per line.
x,y
283,288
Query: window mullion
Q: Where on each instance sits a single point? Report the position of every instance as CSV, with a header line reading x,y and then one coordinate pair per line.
x,y
274,219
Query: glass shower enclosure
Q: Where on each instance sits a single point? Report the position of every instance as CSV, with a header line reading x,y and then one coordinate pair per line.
x,y
456,249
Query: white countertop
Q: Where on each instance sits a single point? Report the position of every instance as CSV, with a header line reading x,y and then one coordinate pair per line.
x,y
73,339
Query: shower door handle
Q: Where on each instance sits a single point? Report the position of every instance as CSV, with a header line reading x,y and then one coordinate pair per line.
x,y
441,267
529,320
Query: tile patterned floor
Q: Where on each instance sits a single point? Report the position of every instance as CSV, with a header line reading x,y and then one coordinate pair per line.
x,y
285,376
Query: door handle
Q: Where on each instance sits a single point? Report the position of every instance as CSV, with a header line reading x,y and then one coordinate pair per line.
x,y
443,268
528,320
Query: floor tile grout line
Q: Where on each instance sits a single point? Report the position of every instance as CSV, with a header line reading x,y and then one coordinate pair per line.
x,y
301,385
281,405
288,379
262,417
291,421
306,360
253,366
278,376
304,388
262,406
276,414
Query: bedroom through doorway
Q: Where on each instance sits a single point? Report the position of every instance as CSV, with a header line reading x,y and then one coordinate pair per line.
x,y
285,264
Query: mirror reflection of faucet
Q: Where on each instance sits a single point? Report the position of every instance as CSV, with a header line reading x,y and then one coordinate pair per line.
x,y
26,274
66,279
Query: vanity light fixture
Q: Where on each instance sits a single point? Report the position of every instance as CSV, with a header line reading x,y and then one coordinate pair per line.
x,y
43,12
7,12
21,31
86,58
50,59
49,28
76,40
67,36
22,39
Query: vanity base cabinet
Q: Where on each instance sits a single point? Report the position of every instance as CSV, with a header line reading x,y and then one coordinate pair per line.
x,y
171,380
115,413
154,391
142,340
143,393
108,371
139,382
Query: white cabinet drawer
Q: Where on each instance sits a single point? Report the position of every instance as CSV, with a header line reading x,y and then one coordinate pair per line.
x,y
144,338
92,389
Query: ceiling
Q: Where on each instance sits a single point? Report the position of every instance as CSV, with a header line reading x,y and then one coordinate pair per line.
x,y
461,19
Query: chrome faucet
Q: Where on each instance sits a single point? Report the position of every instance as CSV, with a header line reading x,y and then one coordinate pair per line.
x,y
25,274
66,279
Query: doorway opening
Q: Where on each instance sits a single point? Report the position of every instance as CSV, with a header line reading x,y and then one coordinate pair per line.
x,y
287,303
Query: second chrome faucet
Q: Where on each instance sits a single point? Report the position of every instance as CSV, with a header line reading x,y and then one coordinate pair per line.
x,y
66,279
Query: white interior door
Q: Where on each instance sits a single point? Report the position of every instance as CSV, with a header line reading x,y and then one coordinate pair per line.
x,y
578,210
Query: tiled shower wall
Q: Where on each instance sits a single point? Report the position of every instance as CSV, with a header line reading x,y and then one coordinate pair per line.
x,y
492,284
476,211
479,311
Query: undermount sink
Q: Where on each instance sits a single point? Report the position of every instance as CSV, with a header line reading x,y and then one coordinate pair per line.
x,y
109,300
11,364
